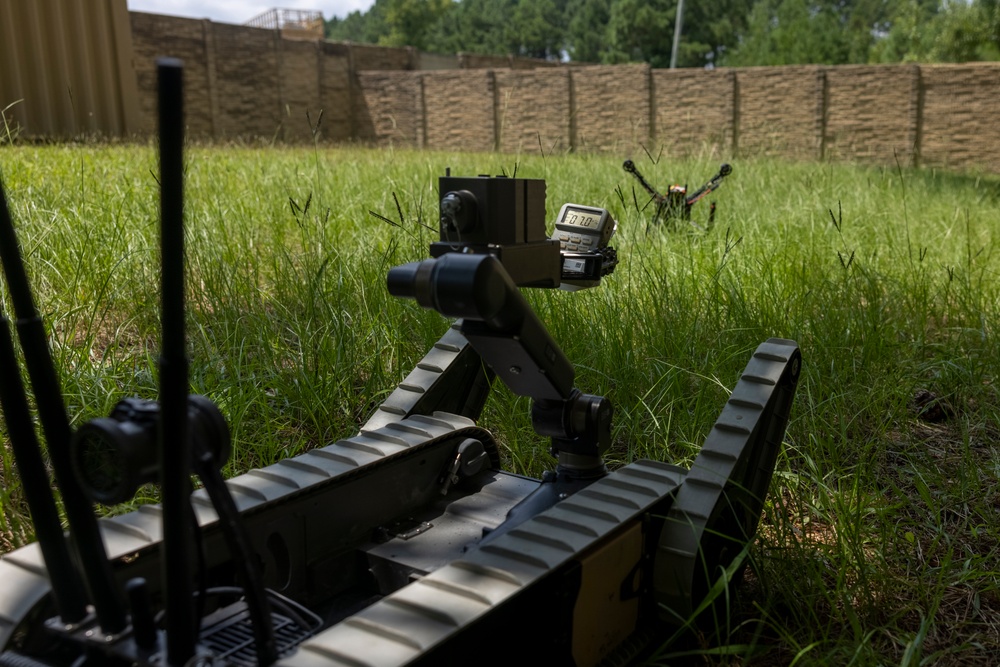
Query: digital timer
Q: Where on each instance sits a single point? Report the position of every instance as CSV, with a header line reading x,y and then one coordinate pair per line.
x,y
583,228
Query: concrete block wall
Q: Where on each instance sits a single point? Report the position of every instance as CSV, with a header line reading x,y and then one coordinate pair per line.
x,y
611,107
250,83
779,110
459,110
155,36
336,93
433,61
533,110
370,57
389,109
245,83
482,61
693,109
247,87
299,85
870,113
959,125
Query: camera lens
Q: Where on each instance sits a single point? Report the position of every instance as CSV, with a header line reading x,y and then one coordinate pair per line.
x,y
112,458
458,212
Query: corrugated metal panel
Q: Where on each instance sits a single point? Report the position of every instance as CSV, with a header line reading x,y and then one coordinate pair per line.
x,y
66,67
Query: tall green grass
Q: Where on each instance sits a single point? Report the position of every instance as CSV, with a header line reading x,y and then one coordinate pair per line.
x,y
880,542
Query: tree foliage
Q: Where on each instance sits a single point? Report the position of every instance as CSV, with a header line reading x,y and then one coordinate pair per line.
x,y
408,22
474,26
722,32
954,32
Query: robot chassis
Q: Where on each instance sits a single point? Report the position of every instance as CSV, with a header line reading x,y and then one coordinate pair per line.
x,y
405,544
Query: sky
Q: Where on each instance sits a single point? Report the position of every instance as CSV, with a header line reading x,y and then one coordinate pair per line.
x,y
240,11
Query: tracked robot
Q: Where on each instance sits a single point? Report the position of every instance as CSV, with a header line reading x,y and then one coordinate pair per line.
x,y
405,544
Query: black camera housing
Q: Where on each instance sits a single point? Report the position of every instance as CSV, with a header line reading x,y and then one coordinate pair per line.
x,y
500,216
112,456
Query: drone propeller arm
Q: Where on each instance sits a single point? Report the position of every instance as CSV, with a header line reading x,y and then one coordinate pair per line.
x,y
711,186
630,167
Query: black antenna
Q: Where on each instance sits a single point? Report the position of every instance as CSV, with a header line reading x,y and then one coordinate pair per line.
x,y
55,424
67,589
175,445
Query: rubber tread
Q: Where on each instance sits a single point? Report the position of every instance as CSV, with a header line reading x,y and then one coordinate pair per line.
x,y
23,588
731,460
23,570
493,574
428,370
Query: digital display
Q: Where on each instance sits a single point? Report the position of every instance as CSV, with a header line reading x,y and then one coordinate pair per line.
x,y
581,218
583,228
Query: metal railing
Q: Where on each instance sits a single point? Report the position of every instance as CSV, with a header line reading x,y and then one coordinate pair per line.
x,y
304,20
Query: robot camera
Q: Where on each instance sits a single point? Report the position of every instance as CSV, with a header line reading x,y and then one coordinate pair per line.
x,y
505,217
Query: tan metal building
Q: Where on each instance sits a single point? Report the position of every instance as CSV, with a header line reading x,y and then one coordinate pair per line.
x,y
66,68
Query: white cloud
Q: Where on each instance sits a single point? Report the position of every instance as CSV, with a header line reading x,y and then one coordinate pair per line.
x,y
240,11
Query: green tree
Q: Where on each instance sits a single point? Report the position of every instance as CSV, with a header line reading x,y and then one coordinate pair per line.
x,y
409,22
991,16
474,26
909,35
967,32
865,21
539,29
710,30
789,32
926,31
587,29
723,32
644,31
860,31
365,27
347,28
640,31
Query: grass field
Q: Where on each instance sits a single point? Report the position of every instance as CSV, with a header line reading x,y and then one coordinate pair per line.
x,y
881,538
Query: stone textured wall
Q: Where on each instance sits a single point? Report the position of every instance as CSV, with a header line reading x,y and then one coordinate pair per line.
x,y
484,61
611,107
369,57
959,125
336,94
779,110
693,109
155,36
459,110
389,109
250,83
533,110
432,61
299,85
870,113
247,87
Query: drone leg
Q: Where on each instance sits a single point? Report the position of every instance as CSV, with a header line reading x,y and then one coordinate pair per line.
x,y
658,217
